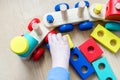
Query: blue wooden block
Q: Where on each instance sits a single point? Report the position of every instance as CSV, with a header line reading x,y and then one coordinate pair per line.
x,y
103,69
80,64
86,25
66,28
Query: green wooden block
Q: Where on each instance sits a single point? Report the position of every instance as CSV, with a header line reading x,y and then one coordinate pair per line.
x,y
103,69
113,26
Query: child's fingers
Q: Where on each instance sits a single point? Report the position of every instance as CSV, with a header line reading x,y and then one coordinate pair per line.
x,y
65,38
54,38
59,37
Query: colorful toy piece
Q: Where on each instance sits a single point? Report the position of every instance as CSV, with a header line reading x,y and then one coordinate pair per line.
x,y
25,45
35,20
37,54
58,6
103,69
97,11
19,45
86,4
80,64
64,15
113,10
86,25
46,37
106,38
80,14
90,50
70,41
63,8
50,19
65,28
113,26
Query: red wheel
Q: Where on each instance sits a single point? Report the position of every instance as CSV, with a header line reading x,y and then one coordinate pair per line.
x,y
37,54
46,38
35,20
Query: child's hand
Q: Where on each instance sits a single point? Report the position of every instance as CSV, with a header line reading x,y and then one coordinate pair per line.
x,y
60,50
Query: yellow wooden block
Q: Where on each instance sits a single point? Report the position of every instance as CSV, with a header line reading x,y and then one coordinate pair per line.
x,y
106,38
19,45
70,41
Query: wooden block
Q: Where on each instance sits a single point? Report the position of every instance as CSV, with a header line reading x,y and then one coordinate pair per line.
x,y
96,12
106,38
72,17
90,50
103,69
70,41
80,63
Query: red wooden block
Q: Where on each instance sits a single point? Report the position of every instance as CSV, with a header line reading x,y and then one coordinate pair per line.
x,y
90,50
113,10
38,52
35,20
46,38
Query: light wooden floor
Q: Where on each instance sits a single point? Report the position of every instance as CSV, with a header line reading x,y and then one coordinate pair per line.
x,y
14,18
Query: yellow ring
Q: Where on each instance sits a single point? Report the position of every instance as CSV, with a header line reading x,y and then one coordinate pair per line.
x,y
19,45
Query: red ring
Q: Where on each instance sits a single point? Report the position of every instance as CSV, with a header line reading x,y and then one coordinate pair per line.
x,y
37,54
35,20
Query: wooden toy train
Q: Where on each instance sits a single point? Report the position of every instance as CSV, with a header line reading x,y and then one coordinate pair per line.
x,y
29,45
